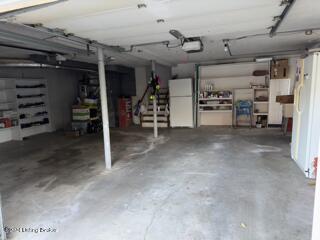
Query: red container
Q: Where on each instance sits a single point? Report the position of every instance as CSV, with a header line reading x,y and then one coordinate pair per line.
x,y
7,122
125,112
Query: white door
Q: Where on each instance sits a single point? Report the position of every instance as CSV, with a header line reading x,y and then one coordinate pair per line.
x,y
181,112
180,87
304,106
310,152
297,110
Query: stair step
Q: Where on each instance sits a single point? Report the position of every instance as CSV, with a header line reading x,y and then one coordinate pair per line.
x,y
150,124
159,121
159,118
149,112
162,108
164,101
158,104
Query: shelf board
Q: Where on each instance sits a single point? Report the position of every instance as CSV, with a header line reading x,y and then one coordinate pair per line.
x,y
217,111
24,87
33,117
7,89
260,89
40,106
231,77
10,102
212,99
9,109
19,99
257,102
5,129
216,104
35,126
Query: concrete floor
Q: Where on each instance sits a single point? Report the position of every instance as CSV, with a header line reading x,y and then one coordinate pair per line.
x,y
197,184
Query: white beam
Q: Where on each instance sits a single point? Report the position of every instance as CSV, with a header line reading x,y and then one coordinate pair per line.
x,y
104,108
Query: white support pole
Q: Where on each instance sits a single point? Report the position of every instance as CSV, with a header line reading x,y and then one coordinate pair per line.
x,y
155,113
104,108
155,118
2,232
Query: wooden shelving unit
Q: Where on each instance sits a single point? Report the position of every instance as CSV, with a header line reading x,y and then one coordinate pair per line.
x,y
261,106
215,107
237,78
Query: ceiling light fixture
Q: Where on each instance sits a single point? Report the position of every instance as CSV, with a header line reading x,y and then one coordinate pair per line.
x,y
142,5
285,2
226,45
276,18
263,59
110,59
160,20
308,32
176,34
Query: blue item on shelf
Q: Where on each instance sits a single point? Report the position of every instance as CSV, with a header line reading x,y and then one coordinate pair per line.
x,y
244,107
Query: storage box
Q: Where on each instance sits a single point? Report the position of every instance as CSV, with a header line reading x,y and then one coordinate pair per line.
x,y
91,102
80,126
280,69
80,113
283,99
125,112
6,122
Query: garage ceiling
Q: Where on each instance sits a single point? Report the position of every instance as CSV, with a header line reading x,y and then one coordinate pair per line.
x,y
122,23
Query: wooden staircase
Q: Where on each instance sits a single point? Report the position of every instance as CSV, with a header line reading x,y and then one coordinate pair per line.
x,y
163,120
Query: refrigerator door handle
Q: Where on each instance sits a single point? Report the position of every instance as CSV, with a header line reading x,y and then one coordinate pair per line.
x,y
298,106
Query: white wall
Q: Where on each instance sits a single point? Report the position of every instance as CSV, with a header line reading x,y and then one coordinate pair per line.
x,y
186,70
62,87
141,80
230,76
164,72
231,70
142,75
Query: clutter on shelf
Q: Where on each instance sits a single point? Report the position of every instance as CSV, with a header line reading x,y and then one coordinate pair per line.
x,y
86,112
227,94
215,100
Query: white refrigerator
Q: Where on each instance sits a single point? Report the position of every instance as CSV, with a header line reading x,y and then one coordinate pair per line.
x,y
306,115
181,102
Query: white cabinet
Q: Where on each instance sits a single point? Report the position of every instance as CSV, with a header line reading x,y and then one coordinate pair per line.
x,y
277,87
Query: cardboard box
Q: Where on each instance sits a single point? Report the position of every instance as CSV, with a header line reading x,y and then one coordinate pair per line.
x,y
91,102
280,69
283,99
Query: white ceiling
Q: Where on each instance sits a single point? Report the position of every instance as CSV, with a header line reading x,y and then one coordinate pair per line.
x,y
121,23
